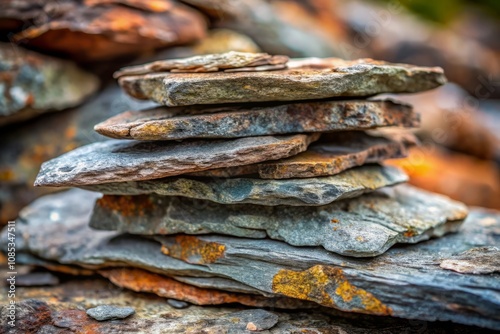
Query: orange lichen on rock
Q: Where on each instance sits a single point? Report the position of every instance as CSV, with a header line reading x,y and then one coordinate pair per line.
x,y
128,206
317,283
193,250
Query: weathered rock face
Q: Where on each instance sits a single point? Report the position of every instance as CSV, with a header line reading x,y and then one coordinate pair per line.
x,y
302,80
332,154
363,226
55,229
227,62
295,192
119,161
247,121
32,84
61,309
102,30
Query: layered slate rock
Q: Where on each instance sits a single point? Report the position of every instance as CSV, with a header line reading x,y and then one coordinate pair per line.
x,y
363,226
307,79
332,154
97,30
55,228
119,161
32,84
295,192
247,121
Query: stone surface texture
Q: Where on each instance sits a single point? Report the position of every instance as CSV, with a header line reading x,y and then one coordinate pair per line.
x,y
363,226
232,60
332,154
295,192
303,80
480,260
118,160
32,84
109,312
95,30
55,229
246,121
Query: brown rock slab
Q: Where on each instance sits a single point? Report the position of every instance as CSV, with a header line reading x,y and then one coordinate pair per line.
x,y
119,161
33,84
305,79
104,30
230,61
247,121
334,153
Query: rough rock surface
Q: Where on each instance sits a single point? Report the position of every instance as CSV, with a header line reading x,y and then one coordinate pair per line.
x,y
363,226
230,61
334,153
403,282
303,80
109,312
247,121
96,30
118,160
31,84
61,309
295,192
480,260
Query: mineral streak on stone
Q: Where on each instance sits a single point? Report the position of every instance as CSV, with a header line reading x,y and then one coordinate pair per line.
x,y
364,226
232,60
109,312
480,260
119,161
295,192
31,84
144,281
334,153
104,30
307,79
247,121
426,291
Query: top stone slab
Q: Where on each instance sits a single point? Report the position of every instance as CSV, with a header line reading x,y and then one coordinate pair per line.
x,y
302,79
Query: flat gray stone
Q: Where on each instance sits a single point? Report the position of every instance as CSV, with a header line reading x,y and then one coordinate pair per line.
x,y
109,312
174,123
362,227
295,192
332,154
404,282
304,79
119,161
480,260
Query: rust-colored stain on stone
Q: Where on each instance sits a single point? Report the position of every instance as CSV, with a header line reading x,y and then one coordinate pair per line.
x,y
193,250
316,283
128,206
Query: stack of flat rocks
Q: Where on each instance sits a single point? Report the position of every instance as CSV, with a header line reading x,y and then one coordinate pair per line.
x,y
260,181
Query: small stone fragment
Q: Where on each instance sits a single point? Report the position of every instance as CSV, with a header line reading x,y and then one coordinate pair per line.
x,y
334,153
306,79
109,312
246,121
206,63
119,161
178,304
480,260
256,319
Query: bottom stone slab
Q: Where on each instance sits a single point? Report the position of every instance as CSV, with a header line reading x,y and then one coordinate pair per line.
x,y
406,282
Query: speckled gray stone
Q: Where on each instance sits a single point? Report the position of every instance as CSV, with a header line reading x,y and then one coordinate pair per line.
x,y
109,312
404,282
295,192
249,120
304,79
119,160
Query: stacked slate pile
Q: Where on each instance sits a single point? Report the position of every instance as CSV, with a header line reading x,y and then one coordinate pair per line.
x,y
260,182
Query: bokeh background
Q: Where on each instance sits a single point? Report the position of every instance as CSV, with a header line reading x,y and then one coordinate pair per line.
x,y
57,60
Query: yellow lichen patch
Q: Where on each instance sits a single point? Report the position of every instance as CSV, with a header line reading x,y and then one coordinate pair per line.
x,y
314,283
193,250
127,206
